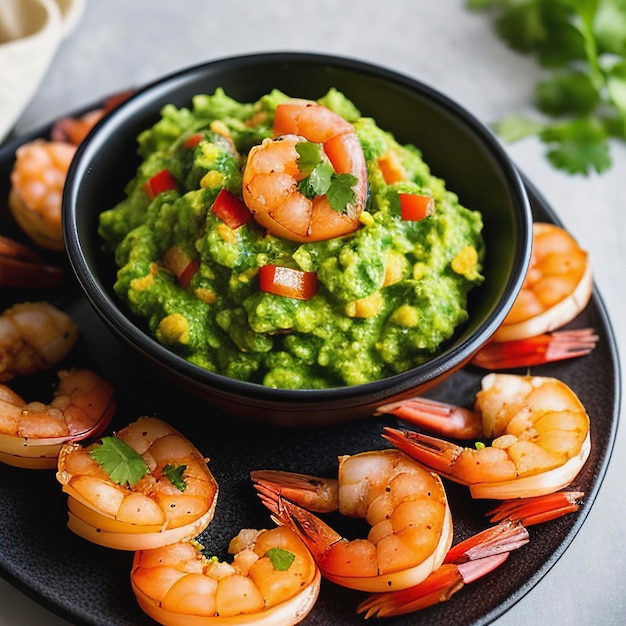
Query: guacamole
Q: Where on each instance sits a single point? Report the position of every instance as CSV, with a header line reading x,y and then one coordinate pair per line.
x,y
387,297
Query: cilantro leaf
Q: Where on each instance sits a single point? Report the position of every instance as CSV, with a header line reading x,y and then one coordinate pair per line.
x,y
175,474
567,93
309,156
281,559
340,193
318,181
123,464
522,27
610,27
515,127
583,42
578,146
321,178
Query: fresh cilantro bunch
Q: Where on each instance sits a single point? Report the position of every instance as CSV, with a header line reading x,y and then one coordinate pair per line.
x,y
582,45
321,179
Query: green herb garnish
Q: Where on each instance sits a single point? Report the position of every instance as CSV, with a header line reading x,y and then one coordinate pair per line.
x,y
582,43
175,475
119,461
281,559
321,179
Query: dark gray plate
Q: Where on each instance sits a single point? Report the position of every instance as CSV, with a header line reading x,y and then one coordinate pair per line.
x,y
88,584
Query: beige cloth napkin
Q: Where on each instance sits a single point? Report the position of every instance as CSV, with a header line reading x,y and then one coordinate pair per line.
x,y
30,33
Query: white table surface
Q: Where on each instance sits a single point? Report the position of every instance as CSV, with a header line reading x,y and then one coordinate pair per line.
x,y
124,43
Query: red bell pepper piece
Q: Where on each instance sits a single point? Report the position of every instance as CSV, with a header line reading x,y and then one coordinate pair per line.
x,y
231,209
181,265
288,282
415,207
193,141
160,182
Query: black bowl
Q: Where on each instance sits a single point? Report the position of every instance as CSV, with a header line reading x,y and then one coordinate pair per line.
x,y
457,147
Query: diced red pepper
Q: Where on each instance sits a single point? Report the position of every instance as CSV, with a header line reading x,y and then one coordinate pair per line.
x,y
231,209
188,273
160,182
288,282
181,265
193,141
415,207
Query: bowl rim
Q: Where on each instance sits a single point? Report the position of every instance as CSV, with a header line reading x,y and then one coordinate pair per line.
x,y
111,313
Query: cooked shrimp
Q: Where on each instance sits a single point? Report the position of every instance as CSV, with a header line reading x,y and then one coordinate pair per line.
x,y
23,268
272,580
557,287
475,557
75,129
34,336
544,348
32,433
405,505
272,175
171,496
540,432
465,563
37,182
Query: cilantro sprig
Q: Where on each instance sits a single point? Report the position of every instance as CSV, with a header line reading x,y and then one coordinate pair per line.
x,y
582,45
322,179
281,559
176,475
124,465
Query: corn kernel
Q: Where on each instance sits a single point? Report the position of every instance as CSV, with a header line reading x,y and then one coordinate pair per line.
x,y
174,328
212,180
366,218
394,268
226,233
218,126
365,307
420,270
466,262
145,282
206,295
406,315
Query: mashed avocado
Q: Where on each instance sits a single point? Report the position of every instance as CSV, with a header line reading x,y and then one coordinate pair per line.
x,y
388,296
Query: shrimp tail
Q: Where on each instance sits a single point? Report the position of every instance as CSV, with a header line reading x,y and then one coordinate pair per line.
x,y
440,586
506,536
544,348
444,419
437,454
465,563
21,267
318,536
320,495
538,509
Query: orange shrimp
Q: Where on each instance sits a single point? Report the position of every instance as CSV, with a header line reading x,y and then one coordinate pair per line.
x,y
272,174
33,433
475,557
172,499
75,129
37,182
34,336
23,268
405,505
540,432
272,580
556,289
